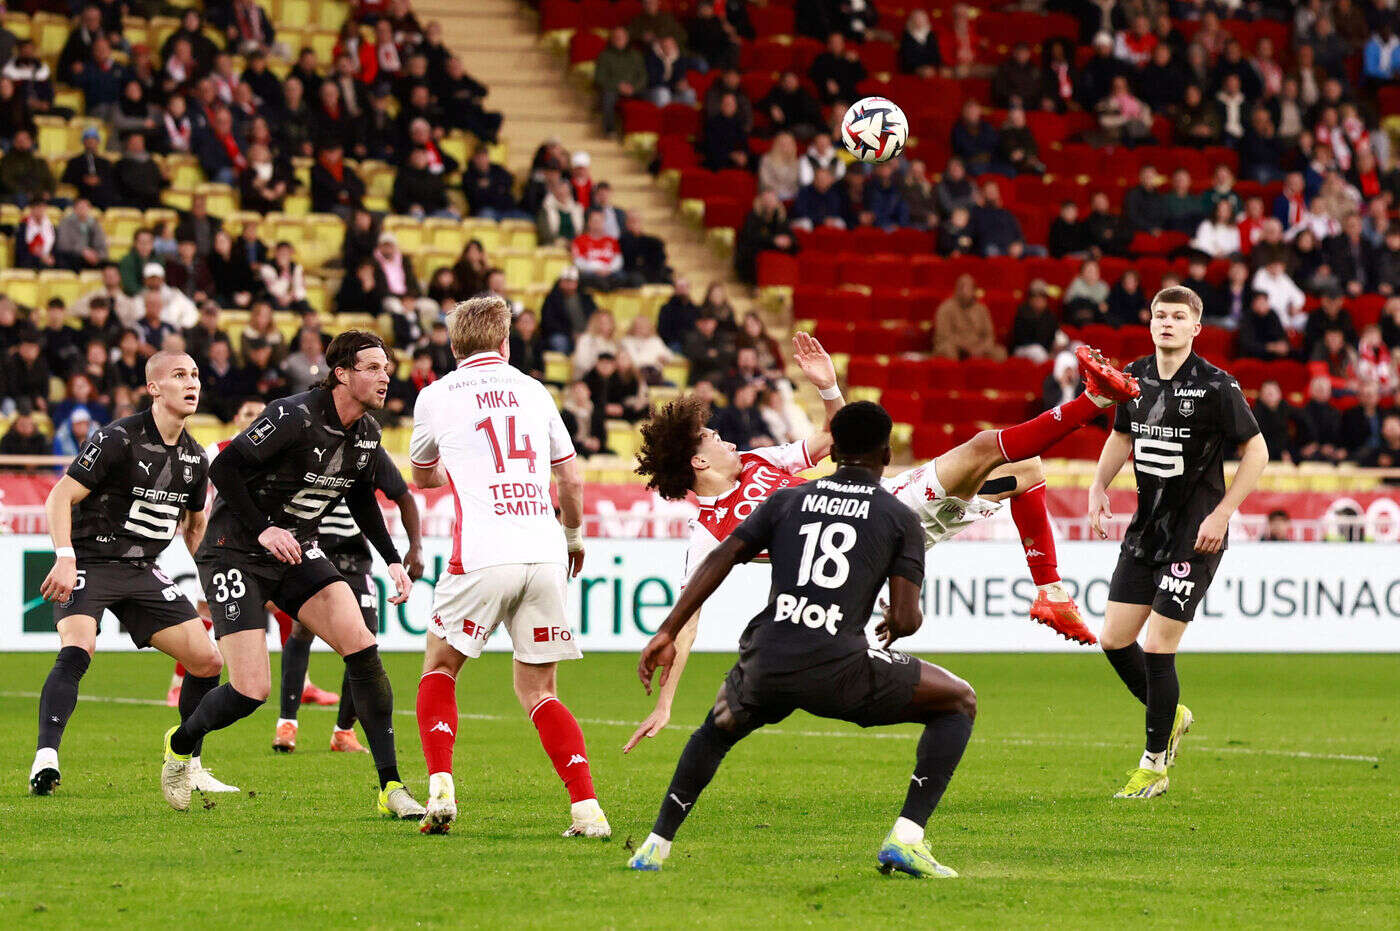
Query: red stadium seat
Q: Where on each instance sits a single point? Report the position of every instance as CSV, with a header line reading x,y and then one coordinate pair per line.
x,y
585,46
726,212
777,268
868,371
677,119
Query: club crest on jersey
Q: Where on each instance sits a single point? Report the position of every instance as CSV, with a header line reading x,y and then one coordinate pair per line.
x,y
1187,407
189,474
260,431
89,457
363,461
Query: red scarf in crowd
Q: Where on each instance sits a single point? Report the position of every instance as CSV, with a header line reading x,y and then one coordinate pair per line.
x,y
235,154
38,235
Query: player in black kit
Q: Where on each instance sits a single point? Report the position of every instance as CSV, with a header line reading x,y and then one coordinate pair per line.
x,y
345,546
833,543
132,486
1189,416
275,480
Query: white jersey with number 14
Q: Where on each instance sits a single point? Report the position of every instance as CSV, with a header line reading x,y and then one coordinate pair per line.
x,y
497,434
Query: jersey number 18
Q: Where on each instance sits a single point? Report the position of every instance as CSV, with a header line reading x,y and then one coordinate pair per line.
x,y
829,568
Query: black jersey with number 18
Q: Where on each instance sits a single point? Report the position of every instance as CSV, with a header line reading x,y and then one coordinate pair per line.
x,y
832,543
140,489
1182,428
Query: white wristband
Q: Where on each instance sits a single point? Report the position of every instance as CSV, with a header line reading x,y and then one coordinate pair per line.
x,y
830,394
64,552
573,538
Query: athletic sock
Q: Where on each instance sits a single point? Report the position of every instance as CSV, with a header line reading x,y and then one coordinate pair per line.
x,y
1163,693
1131,666
703,753
374,703
940,749
60,695
284,625
218,709
437,720
296,657
562,739
345,715
179,669
1032,519
1035,436
192,692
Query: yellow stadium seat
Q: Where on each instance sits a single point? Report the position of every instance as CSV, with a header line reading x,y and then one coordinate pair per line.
x,y
157,217
279,226
331,14
552,265
236,220
89,279
449,235
520,270
69,97
325,235
177,198
160,29
518,234
292,14
287,322
219,198
408,232
322,42
185,172
209,435
18,23
456,144
677,373
622,439
339,323
20,285
395,440
58,283
558,367
204,420
121,223
316,293
137,31
489,236
53,135
298,205
49,32
625,308
427,261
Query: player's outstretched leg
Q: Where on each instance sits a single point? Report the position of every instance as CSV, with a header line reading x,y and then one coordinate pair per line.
x,y
296,657
947,706
562,740
59,697
188,644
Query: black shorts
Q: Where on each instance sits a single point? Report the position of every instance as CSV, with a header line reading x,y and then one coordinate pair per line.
x,y
866,687
144,599
1173,589
362,584
237,585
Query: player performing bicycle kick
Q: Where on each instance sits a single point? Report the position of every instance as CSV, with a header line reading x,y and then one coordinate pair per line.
x,y
681,455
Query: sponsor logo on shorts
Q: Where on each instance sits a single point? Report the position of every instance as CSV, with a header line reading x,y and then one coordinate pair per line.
x,y
1176,586
1181,569
261,431
546,634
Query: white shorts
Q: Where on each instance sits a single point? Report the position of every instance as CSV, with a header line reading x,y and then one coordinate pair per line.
x,y
941,515
528,598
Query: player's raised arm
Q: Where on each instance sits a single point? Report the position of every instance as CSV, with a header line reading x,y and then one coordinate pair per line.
x,y
1117,449
816,364
58,584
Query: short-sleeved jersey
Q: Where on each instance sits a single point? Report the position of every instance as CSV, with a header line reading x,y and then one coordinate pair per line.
x,y
341,538
1181,428
761,472
832,543
498,434
303,461
140,488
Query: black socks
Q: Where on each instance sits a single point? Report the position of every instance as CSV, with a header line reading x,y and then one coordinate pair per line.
x,y
1128,662
940,749
345,715
368,684
1163,693
697,765
296,656
192,691
60,695
221,707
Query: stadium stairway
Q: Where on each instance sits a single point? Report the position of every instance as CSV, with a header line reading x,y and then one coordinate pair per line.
x,y
499,41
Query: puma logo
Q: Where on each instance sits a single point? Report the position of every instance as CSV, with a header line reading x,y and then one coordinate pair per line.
x,y
319,453
1179,600
684,805
918,781
145,467
441,726
282,413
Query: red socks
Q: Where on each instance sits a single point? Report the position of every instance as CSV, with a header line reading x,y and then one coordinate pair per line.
x,y
1034,437
284,624
437,720
1032,519
563,741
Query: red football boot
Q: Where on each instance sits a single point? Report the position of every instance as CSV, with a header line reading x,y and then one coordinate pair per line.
x,y
1063,618
313,694
1102,379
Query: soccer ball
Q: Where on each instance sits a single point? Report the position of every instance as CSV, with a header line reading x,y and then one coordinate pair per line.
x,y
874,129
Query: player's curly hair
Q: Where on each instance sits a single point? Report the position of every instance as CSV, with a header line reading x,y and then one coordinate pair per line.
x,y
669,441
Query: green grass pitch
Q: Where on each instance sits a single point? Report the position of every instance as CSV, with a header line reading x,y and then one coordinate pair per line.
x,y
1284,810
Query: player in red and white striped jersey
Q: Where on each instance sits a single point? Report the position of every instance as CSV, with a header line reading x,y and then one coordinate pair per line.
x,y
680,455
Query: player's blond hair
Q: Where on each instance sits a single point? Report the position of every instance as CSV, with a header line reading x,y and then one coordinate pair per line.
x,y
1177,294
478,325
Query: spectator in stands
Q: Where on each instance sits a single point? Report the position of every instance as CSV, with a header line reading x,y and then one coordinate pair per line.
x,y
598,337
1388,263
440,349
998,231
27,373
265,184
418,191
77,49
955,189
262,330
10,324
1143,208
853,189
80,399
133,112
307,366
1231,299
262,371
1352,257
1322,439
72,433
1380,58
1198,120
405,301
1218,236
235,282
667,67
1096,77
717,303
1161,84
1261,332
1284,296
225,383
560,216
24,175
14,110
198,226
643,255
188,273
1196,268
442,288
1335,358
919,53
820,154
598,257
1361,424
837,71
565,312
1063,384
139,180
34,82
1106,232
645,349
962,326
614,217
470,270
284,281
919,195
335,186
1017,79
1127,305
725,142
616,386
90,173
790,108
361,291
977,143
1086,298
60,342
1331,314
707,348
1058,75
766,228
204,333
778,169
715,38
1034,328
128,365
768,355
619,73
1386,455
1277,420
79,241
730,81
584,423
1068,237
221,152
175,308
957,236
1018,145
678,315
1123,118
1182,210
653,23
819,203
773,409
24,438
741,423
527,347
1261,151
489,188
35,238
1251,224
884,199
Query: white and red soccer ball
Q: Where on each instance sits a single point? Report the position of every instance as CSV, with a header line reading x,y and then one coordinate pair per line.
x,y
874,129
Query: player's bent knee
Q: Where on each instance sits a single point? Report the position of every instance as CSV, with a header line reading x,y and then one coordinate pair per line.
x,y
207,666
986,444
967,701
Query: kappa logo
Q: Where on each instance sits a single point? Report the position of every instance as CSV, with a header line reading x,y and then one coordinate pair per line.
x,y
575,760
685,806
1058,415
1032,551
145,467
442,726
720,512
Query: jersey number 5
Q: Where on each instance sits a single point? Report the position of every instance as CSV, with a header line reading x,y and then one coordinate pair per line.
x,y
829,568
1158,457
526,452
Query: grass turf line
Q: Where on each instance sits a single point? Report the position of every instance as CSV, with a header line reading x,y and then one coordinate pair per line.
x,y
784,837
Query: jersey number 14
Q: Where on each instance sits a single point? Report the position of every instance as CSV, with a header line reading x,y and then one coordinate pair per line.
x,y
513,450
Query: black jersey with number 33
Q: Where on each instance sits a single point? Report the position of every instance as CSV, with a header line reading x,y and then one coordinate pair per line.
x,y
304,460
1182,428
833,543
140,488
